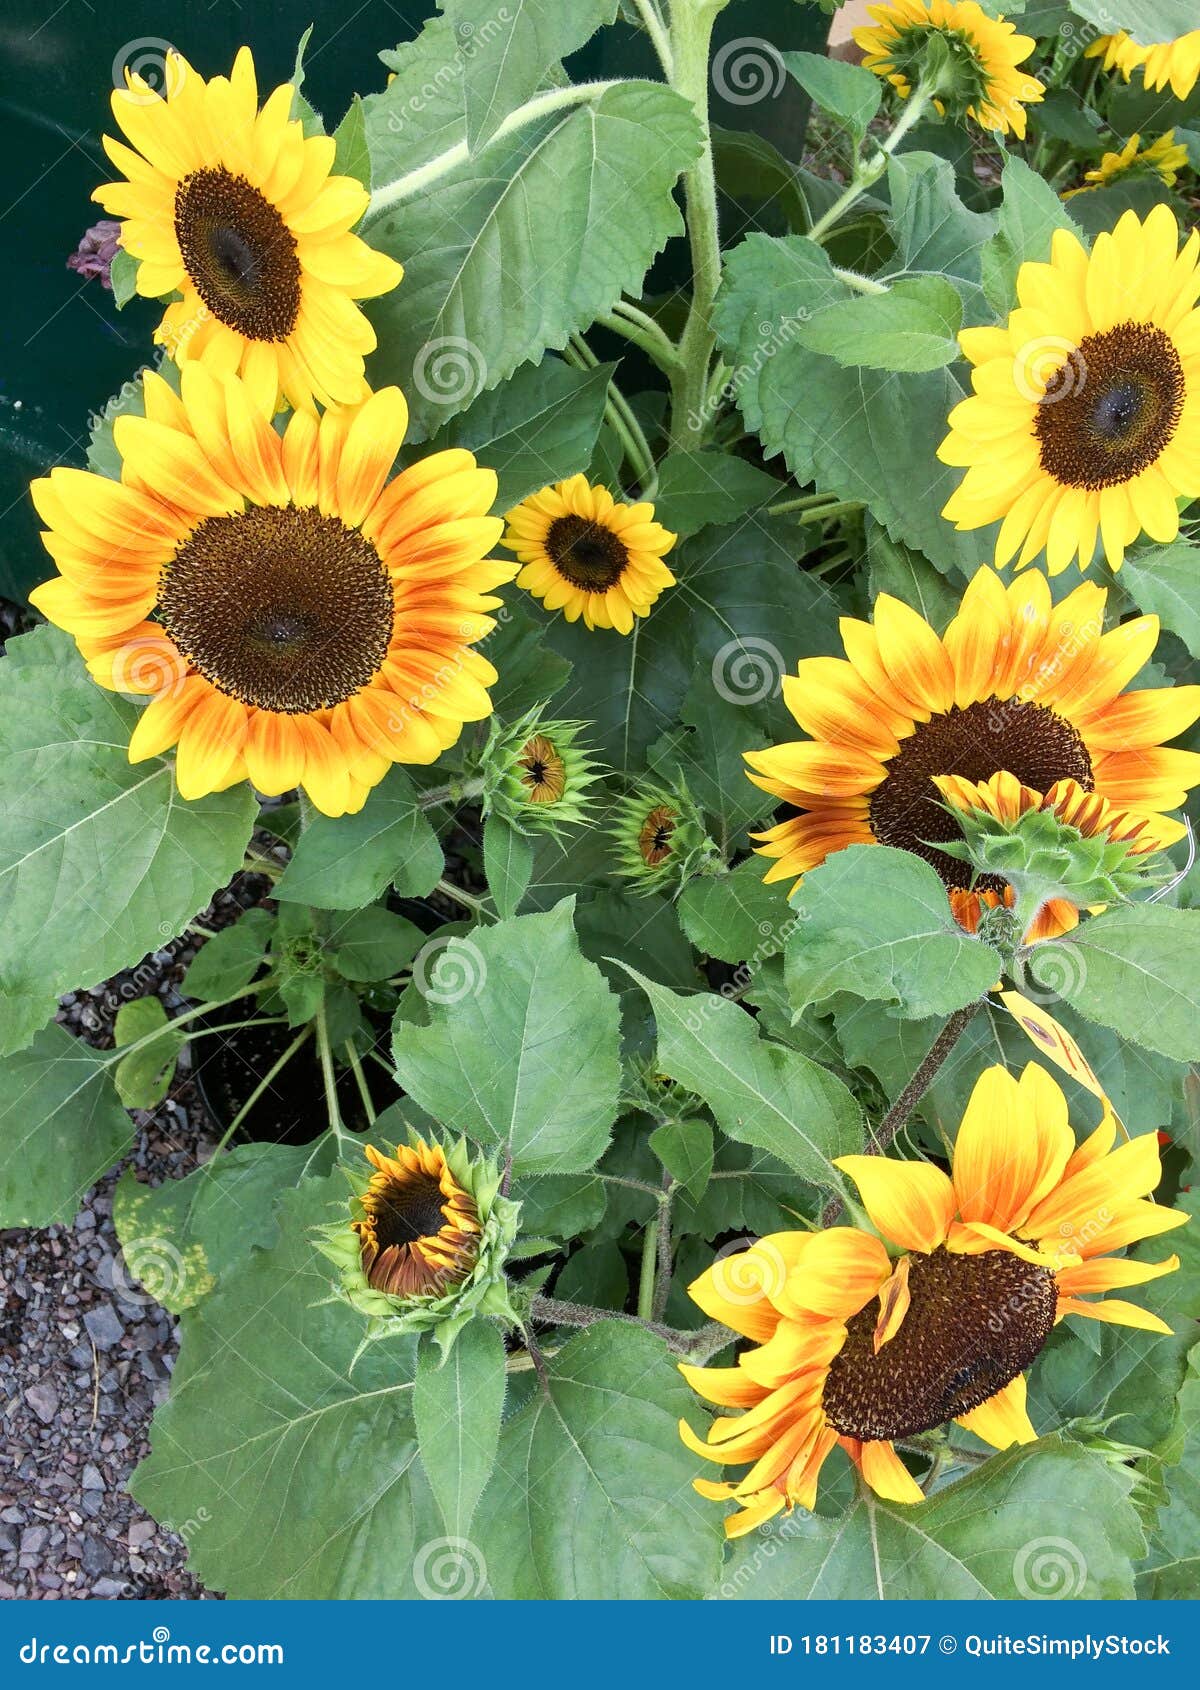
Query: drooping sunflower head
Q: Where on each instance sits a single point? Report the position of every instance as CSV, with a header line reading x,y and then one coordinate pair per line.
x,y
537,774
1066,846
1085,419
977,58
1163,159
864,1338
1176,63
427,1241
1015,685
236,210
296,618
660,838
588,555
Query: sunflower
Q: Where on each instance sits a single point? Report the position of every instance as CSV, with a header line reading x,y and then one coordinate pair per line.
x,y
1176,62
660,838
235,210
419,1231
869,1338
984,56
1163,158
1015,684
587,555
1085,420
313,624
536,774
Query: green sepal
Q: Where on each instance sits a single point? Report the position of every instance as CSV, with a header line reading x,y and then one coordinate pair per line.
x,y
691,852
504,791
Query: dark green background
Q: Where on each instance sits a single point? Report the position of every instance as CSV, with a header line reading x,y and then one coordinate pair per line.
x,y
65,347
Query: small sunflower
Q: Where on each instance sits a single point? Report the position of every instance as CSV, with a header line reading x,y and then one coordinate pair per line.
x,y
1163,158
419,1231
1175,62
1015,684
536,774
984,56
1085,420
587,555
660,838
427,1242
235,210
313,625
864,1338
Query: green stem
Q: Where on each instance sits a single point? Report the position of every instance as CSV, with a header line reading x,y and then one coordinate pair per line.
x,y
861,284
644,332
467,899
655,28
691,37
360,1079
665,1265
420,181
454,792
806,502
645,1302
325,1052
110,1056
258,1091
618,414
868,171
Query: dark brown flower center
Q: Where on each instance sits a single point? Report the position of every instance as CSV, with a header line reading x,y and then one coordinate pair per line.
x,y
282,608
404,1213
973,1324
409,1247
586,554
1112,407
1029,740
543,773
239,253
654,839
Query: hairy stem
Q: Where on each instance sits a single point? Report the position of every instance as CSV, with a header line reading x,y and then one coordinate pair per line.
x,y
691,36
552,1311
267,1080
868,171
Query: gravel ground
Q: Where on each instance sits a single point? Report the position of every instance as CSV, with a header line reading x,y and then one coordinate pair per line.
x,y
85,1356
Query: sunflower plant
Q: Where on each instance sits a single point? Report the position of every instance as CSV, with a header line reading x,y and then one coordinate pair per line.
x,y
672,598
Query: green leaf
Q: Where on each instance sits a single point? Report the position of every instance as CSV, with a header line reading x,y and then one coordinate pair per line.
x,y
538,428
507,52
761,1093
592,1493
353,157
1147,21
422,111
1047,1519
373,944
1136,969
267,1422
100,859
933,230
507,863
1165,581
860,433
685,1149
597,1274
1172,1568
526,243
911,327
1029,216
530,673
122,273
908,576
847,92
741,614
562,1205
696,489
522,1046
723,715
143,1078
457,1401
231,959
735,917
184,1237
61,1125
343,862
877,922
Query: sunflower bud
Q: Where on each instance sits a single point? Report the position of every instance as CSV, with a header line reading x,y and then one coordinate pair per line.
x,y
536,775
661,839
427,1242
1067,846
